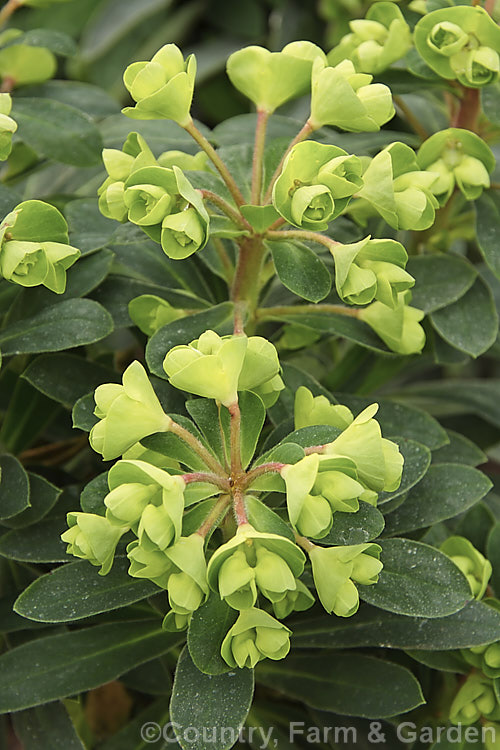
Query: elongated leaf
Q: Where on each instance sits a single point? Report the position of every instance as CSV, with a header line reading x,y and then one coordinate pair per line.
x,y
56,666
43,496
471,324
183,331
208,628
355,528
474,625
439,280
76,591
80,376
266,520
348,684
459,450
58,131
14,487
488,226
444,492
46,726
493,553
225,705
301,270
40,543
417,580
64,325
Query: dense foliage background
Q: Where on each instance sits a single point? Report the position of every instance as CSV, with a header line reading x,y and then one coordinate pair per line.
x,y
84,660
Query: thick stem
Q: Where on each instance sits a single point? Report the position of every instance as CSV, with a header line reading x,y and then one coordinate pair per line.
x,y
303,133
303,542
300,234
239,317
200,476
276,312
224,206
8,9
272,467
198,447
258,154
215,516
246,284
469,111
235,440
217,162
239,507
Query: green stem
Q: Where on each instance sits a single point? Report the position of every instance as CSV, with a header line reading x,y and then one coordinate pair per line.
x,y
224,206
304,543
258,154
303,133
8,9
217,162
215,516
276,312
247,278
300,234
235,440
198,447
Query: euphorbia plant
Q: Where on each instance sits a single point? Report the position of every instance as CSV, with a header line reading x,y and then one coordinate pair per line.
x,y
246,505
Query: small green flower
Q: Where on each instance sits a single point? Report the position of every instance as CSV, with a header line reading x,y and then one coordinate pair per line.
x,y
399,327
136,489
316,184
127,413
8,126
335,569
458,157
378,462
150,194
163,87
93,538
269,79
150,313
475,567
252,561
485,658
297,600
475,699
119,165
376,41
346,99
174,158
255,635
462,43
311,410
399,190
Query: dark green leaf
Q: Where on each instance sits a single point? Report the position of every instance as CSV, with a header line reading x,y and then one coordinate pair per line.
x,y
266,520
417,580
14,487
80,376
207,629
355,528
46,726
226,702
43,495
493,554
301,270
460,450
439,280
39,543
56,41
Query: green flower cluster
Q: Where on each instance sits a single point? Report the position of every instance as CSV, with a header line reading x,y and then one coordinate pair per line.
x,y
461,43
34,246
8,126
158,198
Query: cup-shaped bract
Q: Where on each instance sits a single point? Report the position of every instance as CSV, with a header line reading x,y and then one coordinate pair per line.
x,y
376,41
150,194
399,327
127,413
93,538
261,369
349,100
311,410
162,87
253,561
462,43
475,567
255,635
175,158
8,126
475,699
297,600
371,269
337,569
459,157
316,183
269,79
399,190
185,231
378,462
23,64
34,246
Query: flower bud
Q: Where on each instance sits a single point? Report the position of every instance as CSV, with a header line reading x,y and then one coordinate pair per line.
x,y
346,99
255,635
336,568
93,538
485,658
371,269
379,464
150,313
163,88
447,38
475,699
8,126
269,79
127,413
152,564
150,194
316,184
311,410
471,562
399,327
297,600
183,233
119,165
252,560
